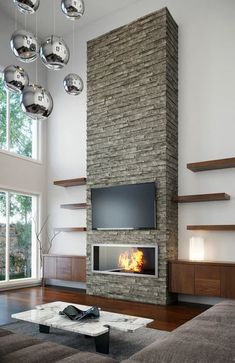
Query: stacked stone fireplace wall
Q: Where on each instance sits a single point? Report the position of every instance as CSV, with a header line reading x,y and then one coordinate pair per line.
x,y
132,137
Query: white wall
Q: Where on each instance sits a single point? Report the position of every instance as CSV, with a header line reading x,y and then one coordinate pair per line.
x,y
206,120
17,173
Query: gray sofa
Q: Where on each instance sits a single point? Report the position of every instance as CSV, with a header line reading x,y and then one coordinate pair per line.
x,y
208,338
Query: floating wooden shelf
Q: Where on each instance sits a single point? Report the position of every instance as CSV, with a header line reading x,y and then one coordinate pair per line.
x,y
201,198
212,165
212,227
71,229
70,182
74,206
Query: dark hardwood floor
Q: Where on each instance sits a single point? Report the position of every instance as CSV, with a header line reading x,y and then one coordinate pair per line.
x,y
165,317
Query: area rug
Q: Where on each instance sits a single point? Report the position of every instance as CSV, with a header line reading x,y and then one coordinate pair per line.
x,y
122,345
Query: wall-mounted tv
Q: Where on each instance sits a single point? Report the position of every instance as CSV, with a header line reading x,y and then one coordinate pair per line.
x,y
130,206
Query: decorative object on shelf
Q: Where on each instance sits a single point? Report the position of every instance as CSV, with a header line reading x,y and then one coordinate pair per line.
x,y
196,249
54,52
44,248
15,78
73,9
27,6
36,102
73,84
24,45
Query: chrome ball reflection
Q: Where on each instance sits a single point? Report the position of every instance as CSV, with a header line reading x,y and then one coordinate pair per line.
x,y
54,52
36,102
15,78
24,45
73,9
27,6
73,84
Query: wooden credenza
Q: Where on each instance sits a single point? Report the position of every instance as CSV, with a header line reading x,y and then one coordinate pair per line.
x,y
63,267
202,278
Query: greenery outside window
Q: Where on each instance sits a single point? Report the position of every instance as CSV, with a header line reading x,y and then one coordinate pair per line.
x,y
18,132
18,245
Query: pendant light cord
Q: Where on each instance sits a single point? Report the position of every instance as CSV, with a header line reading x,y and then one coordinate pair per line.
x,y
54,17
73,55
16,18
38,50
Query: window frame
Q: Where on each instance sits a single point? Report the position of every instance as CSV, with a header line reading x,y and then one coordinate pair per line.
x,y
36,139
36,270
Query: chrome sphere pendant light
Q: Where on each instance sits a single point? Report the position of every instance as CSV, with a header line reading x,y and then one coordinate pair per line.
x,y
36,102
24,45
73,84
15,78
73,9
54,52
27,6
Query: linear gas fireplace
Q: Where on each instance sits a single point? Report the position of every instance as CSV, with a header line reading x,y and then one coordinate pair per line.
x,y
125,260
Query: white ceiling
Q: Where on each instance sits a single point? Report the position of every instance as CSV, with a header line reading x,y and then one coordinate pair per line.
x,y
94,9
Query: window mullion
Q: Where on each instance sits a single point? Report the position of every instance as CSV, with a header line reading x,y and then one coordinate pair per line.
x,y
8,121
7,275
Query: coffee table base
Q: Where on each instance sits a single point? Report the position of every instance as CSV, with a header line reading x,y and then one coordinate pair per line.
x,y
101,341
44,329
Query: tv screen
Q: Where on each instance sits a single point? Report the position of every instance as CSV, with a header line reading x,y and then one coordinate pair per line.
x,y
124,207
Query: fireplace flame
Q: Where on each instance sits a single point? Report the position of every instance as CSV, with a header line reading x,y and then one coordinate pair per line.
x,y
131,260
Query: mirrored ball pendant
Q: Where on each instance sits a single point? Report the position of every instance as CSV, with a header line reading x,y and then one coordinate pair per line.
x,y
27,6
15,78
36,102
24,45
73,9
73,84
54,52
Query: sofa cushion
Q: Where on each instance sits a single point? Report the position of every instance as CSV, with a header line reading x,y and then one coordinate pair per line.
x,y
85,357
15,348
207,338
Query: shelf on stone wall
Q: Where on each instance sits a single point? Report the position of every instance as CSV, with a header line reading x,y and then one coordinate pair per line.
x,y
70,182
211,227
71,229
74,206
212,165
201,198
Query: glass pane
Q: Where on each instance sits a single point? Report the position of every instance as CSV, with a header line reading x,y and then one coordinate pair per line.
x,y
21,128
3,102
20,236
2,236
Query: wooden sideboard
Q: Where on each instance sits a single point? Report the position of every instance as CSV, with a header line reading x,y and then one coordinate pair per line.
x,y
63,267
202,278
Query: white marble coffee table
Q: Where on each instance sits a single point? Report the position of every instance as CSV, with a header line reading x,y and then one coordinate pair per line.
x,y
47,316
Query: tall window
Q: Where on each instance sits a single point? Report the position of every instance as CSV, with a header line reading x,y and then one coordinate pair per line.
x,y
17,241
18,133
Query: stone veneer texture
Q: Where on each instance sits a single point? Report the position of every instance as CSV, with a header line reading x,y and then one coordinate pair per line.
x,y
132,137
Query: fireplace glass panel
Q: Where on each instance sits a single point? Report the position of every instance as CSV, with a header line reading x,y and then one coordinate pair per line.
x,y
125,259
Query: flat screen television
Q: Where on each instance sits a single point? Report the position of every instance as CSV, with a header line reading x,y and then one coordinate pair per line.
x,y
130,206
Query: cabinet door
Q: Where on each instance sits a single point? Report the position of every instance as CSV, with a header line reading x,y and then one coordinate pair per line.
x,y
182,278
49,267
64,268
228,282
207,280
79,269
